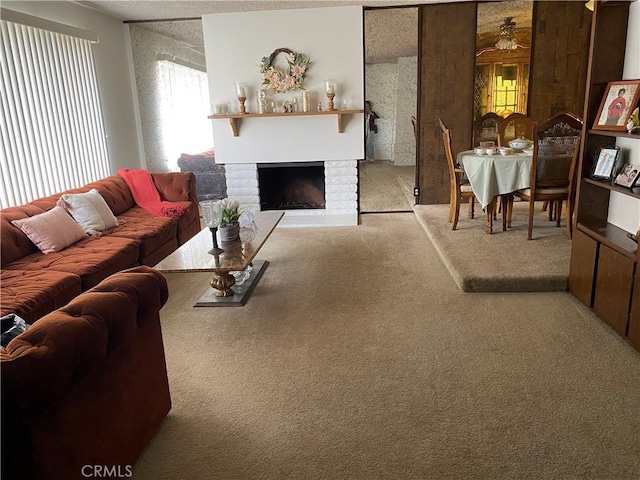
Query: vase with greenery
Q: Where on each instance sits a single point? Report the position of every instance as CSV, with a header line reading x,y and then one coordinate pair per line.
x,y
229,225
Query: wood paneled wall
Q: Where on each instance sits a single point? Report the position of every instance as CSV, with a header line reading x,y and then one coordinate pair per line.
x,y
559,56
446,44
446,63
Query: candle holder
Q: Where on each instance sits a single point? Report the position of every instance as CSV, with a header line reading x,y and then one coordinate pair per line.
x,y
216,250
241,93
242,107
212,213
330,106
330,91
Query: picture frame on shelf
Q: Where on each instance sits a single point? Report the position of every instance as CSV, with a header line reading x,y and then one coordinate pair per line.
x,y
619,100
605,162
628,176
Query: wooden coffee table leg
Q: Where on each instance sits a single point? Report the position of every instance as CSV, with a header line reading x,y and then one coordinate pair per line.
x,y
222,283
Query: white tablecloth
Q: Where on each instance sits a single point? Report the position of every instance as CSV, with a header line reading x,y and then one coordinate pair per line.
x,y
492,175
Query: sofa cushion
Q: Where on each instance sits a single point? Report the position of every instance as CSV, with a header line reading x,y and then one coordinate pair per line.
x,y
152,233
51,231
33,294
89,210
93,259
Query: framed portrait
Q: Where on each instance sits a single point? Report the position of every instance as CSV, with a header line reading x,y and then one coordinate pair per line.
x,y
620,99
628,175
605,162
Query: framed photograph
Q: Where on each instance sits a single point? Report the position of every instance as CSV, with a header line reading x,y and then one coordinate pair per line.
x,y
605,162
628,175
620,98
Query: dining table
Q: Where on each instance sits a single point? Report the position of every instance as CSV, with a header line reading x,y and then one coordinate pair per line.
x,y
493,176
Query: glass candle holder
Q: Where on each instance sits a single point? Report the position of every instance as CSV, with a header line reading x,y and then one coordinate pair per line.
x,y
330,86
241,91
330,91
212,215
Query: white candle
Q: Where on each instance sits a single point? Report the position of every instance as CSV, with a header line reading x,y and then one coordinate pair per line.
x,y
240,90
211,216
330,87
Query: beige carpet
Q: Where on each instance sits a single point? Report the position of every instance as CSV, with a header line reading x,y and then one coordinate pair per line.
x,y
359,358
385,187
502,261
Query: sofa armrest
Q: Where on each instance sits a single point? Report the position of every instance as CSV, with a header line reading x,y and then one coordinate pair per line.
x,y
176,186
64,348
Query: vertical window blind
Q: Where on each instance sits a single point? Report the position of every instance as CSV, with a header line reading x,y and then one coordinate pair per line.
x,y
53,135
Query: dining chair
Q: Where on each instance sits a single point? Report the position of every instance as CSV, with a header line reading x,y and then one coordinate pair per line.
x,y
486,128
459,188
556,143
516,125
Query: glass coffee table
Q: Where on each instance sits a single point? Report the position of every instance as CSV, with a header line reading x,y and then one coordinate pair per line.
x,y
237,257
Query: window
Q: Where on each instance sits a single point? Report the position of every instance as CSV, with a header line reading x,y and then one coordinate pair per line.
x,y
183,111
52,129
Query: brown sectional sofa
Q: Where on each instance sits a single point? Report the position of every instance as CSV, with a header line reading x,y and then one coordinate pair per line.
x,y
86,385
34,284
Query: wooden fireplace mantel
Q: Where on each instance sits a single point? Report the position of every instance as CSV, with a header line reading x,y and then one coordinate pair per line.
x,y
234,118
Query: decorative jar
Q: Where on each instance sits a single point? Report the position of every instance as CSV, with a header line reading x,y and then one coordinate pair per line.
x,y
263,105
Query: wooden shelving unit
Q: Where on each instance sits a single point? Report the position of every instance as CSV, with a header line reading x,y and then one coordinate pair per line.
x,y
234,119
604,272
632,192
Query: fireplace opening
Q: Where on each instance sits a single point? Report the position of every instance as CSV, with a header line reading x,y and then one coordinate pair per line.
x,y
289,186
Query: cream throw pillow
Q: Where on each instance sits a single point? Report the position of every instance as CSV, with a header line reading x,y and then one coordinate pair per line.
x,y
51,231
90,210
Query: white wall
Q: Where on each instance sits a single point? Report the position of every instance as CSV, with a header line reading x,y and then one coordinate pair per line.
x,y
112,68
624,211
234,46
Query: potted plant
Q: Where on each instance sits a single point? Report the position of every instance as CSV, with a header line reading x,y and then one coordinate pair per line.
x,y
230,225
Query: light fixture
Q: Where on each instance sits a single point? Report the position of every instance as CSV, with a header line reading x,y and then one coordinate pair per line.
x,y
507,40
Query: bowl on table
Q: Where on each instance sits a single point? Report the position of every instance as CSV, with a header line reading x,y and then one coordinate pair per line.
x,y
479,151
519,143
505,150
528,150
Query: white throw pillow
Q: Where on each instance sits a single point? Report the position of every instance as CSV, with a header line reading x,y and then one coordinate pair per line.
x,y
51,231
90,210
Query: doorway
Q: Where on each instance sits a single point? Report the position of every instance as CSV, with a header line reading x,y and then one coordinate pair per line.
x,y
391,65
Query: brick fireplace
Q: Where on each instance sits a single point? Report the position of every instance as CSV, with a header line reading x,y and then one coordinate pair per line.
x,y
340,193
291,185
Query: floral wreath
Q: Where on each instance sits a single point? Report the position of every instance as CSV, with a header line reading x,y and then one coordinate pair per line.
x,y
280,81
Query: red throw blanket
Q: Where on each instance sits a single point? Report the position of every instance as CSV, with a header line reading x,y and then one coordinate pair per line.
x,y
146,194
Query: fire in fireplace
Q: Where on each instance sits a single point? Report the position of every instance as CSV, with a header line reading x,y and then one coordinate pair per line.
x,y
288,186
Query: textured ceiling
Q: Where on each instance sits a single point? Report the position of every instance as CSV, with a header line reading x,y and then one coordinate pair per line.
x,y
158,9
389,33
